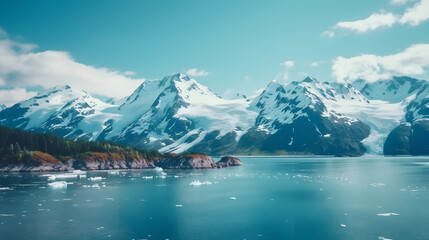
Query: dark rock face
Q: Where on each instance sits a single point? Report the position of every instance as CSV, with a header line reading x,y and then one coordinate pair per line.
x,y
419,139
77,164
192,161
409,139
312,134
228,161
197,161
398,141
35,167
101,164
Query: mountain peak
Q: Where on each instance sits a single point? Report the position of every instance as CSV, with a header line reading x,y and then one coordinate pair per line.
x,y
61,89
310,80
177,77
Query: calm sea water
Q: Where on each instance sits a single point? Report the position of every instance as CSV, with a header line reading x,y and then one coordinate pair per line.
x,y
266,198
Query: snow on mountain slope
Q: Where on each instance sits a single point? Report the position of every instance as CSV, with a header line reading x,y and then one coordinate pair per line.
x,y
388,104
59,109
177,114
281,104
393,90
183,112
380,116
381,105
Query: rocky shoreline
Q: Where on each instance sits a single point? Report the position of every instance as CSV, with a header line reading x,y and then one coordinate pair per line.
x,y
191,161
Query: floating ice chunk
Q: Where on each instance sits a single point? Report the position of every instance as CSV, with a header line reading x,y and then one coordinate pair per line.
x,y
114,173
4,188
198,183
387,214
179,205
233,198
377,184
158,169
79,172
7,215
95,178
164,174
58,185
53,177
343,225
383,238
147,177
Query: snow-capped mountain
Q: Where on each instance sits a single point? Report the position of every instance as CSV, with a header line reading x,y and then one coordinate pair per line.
x,y
178,114
301,117
62,110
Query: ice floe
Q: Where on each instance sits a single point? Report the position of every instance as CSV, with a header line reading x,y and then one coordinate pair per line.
x,y
387,214
5,188
383,238
377,184
58,185
53,177
158,169
95,178
233,198
7,215
198,183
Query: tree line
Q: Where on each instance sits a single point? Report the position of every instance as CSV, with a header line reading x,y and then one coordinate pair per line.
x,y
14,141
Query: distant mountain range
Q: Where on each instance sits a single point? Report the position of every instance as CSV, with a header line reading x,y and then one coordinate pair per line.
x,y
177,114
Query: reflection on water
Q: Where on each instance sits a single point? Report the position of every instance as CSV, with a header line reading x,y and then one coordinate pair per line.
x,y
266,198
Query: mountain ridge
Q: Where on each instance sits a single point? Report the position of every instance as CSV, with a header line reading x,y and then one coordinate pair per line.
x,y
178,114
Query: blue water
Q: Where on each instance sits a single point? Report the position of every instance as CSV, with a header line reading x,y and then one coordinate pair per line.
x,y
275,198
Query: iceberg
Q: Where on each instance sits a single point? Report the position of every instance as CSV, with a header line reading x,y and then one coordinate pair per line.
x,y
58,185
387,214
95,178
198,183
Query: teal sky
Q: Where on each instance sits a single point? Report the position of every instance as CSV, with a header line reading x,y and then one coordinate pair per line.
x,y
240,43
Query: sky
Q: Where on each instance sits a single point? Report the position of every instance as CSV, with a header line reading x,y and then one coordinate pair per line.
x,y
110,47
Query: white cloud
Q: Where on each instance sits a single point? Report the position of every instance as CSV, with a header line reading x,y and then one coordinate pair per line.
x,y
129,73
412,61
376,20
315,64
21,66
288,63
416,14
2,32
399,2
12,96
328,33
194,72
